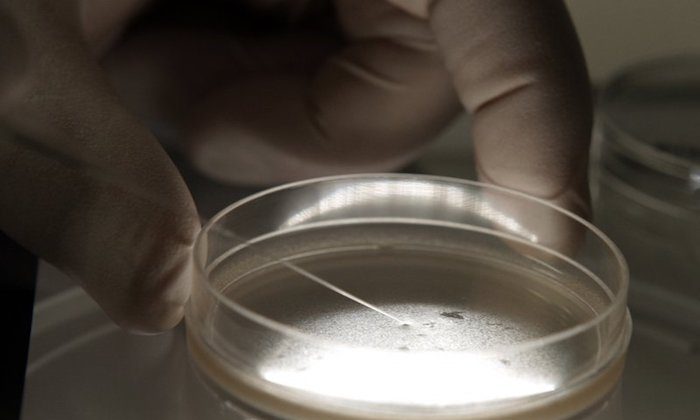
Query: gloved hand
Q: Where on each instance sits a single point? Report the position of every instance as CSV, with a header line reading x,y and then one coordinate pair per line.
x,y
260,109
84,184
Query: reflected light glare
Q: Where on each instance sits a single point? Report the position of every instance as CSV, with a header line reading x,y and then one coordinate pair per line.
x,y
695,179
505,222
425,378
453,198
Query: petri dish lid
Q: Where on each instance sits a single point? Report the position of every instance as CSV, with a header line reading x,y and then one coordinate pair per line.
x,y
81,366
281,344
653,111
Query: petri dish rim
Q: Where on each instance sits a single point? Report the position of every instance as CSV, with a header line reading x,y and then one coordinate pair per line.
x,y
526,345
643,152
424,222
504,350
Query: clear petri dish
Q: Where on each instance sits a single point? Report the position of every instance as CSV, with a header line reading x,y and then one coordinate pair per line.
x,y
406,296
648,183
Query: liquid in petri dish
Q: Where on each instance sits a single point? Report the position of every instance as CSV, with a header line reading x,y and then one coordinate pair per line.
x,y
459,313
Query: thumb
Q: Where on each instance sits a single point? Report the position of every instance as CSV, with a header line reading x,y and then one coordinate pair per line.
x,y
92,191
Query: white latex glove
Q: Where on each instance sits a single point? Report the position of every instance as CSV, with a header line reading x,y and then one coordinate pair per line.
x,y
297,104
261,109
124,235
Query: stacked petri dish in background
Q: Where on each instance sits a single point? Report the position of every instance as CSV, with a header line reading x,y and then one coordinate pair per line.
x,y
647,185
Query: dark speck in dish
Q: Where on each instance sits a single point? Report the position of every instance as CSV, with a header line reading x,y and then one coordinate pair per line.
x,y
454,314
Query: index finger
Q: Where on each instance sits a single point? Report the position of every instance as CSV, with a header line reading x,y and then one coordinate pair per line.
x,y
518,68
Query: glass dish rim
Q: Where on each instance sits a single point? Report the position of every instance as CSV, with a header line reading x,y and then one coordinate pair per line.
x,y
619,300
637,148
